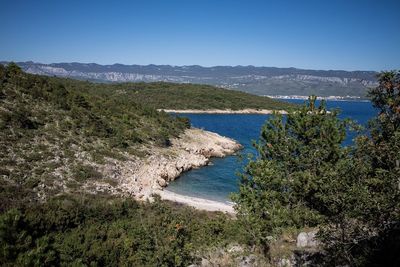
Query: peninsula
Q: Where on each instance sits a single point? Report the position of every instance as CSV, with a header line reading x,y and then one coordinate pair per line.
x,y
223,111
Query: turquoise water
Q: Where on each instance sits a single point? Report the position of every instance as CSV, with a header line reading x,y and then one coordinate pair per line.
x,y
219,179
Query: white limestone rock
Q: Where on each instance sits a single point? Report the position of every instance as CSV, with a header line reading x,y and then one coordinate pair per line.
x,y
307,239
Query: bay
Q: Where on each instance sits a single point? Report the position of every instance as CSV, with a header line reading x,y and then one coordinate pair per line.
x,y
220,178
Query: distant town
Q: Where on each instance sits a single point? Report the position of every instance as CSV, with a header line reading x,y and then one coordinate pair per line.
x,y
332,97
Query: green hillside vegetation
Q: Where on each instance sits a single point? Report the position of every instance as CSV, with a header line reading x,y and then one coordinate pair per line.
x,y
50,126
194,96
46,127
161,95
101,231
51,130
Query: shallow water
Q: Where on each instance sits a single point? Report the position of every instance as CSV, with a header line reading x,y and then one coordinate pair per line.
x,y
219,179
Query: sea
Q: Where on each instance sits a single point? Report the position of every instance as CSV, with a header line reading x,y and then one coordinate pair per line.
x,y
221,177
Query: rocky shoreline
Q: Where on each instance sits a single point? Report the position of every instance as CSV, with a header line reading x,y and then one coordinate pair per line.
x,y
223,111
142,177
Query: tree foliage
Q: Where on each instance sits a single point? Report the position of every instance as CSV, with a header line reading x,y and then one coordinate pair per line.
x,y
296,157
368,230
304,176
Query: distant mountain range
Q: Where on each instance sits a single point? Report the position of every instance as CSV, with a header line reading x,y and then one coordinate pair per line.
x,y
269,81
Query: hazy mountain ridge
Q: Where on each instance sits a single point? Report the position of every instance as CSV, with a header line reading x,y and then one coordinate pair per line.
x,y
257,80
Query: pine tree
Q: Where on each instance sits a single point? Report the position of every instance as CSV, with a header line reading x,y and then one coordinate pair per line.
x,y
296,155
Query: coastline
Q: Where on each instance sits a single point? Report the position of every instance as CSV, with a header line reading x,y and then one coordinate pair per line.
x,y
143,177
194,150
197,203
223,111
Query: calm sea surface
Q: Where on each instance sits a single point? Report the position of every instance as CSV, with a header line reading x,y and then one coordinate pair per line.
x,y
219,179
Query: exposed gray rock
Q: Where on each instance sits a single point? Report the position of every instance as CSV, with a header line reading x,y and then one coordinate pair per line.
x,y
162,182
248,261
235,249
307,239
285,263
142,177
302,240
205,263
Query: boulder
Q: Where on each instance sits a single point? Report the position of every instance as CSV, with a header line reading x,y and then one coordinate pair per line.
x,y
285,263
235,249
205,263
307,239
161,182
302,240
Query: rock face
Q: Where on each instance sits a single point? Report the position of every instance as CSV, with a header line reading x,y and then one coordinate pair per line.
x,y
141,177
307,239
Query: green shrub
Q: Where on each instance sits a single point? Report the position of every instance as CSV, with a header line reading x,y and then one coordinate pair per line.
x,y
82,173
109,232
185,121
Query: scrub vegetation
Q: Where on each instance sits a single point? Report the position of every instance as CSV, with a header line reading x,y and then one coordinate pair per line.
x,y
52,130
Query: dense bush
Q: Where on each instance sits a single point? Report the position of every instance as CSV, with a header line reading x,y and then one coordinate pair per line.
x,y
108,232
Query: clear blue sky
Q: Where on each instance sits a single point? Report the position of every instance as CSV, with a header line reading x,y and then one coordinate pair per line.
x,y
350,35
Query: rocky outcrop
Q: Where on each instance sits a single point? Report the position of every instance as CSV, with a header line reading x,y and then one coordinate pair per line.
x,y
141,177
231,255
193,149
307,239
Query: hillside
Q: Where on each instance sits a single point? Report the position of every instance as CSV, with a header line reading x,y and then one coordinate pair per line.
x,y
50,133
256,80
74,156
63,135
161,95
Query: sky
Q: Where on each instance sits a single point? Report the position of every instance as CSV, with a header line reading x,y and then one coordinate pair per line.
x,y
310,34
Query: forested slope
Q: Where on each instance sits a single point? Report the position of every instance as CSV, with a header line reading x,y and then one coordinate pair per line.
x,y
161,95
